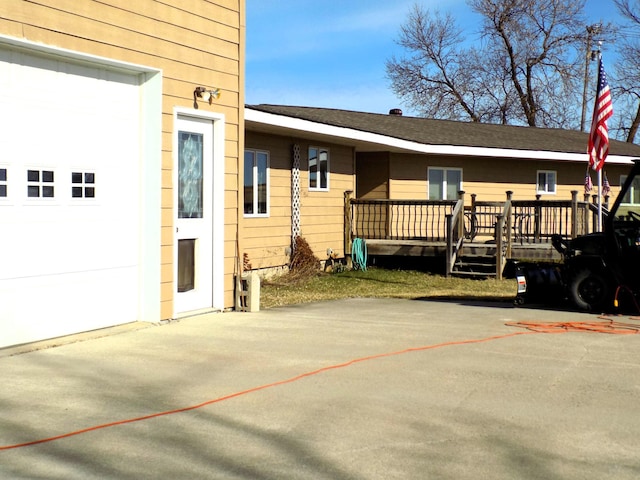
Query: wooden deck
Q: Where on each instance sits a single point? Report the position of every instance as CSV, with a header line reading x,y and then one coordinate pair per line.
x,y
419,248
509,230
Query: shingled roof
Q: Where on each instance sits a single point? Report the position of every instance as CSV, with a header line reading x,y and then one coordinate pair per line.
x,y
445,132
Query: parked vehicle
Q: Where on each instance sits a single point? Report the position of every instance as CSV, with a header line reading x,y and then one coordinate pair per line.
x,y
600,272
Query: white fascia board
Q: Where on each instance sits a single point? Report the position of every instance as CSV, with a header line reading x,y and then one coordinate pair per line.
x,y
409,146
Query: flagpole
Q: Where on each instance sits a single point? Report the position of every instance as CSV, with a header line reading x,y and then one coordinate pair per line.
x,y
600,200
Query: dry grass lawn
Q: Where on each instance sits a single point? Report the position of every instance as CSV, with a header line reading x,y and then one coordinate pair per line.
x,y
380,283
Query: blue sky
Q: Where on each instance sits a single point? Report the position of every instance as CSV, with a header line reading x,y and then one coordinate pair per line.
x,y
332,53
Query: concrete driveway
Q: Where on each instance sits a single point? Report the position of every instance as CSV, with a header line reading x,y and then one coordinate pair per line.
x,y
351,389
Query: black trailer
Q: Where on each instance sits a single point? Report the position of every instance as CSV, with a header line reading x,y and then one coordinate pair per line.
x,y
599,271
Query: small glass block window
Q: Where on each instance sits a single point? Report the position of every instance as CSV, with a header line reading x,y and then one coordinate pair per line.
x,y
40,184
3,183
83,184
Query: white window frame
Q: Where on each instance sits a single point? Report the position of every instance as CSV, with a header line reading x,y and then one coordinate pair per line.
x,y
5,200
547,188
83,200
318,149
444,185
255,153
631,192
56,184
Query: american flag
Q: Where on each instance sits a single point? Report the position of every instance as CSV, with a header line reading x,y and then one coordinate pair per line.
x,y
588,184
606,187
603,110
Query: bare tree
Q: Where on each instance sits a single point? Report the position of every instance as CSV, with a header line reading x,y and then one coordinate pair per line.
x,y
435,78
628,70
524,71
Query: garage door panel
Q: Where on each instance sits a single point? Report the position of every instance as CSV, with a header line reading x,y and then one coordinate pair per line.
x,y
78,255
59,304
39,249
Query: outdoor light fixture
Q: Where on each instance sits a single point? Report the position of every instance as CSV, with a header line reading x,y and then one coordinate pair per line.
x,y
206,95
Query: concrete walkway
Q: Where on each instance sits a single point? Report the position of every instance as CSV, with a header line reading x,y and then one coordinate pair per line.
x,y
351,389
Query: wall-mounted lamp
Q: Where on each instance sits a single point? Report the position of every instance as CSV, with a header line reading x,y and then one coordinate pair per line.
x,y
206,95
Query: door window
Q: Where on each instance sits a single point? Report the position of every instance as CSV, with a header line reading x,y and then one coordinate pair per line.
x,y
190,175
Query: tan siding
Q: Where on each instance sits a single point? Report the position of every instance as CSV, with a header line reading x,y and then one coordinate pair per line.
x,y
373,175
490,179
322,212
192,46
265,238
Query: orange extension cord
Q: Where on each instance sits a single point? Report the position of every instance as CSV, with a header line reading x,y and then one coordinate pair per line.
x,y
609,326
606,325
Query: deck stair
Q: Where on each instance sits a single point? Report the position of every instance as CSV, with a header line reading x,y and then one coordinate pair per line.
x,y
476,260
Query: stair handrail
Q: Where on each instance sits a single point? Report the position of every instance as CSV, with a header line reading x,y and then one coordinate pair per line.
x,y
503,237
455,234
506,213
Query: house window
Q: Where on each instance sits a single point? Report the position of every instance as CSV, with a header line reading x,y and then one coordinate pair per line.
x,y
546,181
444,183
256,183
632,197
3,182
318,168
40,184
83,185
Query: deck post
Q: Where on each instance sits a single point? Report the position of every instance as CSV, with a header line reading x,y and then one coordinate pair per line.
x,y
348,221
537,220
509,223
461,220
594,199
574,213
448,255
499,253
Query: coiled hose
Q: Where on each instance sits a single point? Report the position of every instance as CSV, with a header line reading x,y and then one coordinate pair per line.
x,y
359,254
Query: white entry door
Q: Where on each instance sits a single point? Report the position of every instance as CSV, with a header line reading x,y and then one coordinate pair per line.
x,y
194,212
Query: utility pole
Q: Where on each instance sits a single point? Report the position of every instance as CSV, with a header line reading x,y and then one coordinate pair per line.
x,y
592,31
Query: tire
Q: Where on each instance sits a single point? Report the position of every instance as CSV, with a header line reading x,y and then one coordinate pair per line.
x,y
589,291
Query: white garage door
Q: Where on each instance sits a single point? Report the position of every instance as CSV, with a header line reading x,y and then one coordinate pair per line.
x,y
69,197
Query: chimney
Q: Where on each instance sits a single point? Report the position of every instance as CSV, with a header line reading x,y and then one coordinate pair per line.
x,y
395,111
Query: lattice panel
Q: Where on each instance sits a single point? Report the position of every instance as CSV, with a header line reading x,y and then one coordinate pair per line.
x,y
295,194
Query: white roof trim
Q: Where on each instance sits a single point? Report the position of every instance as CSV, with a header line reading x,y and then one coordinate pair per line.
x,y
384,140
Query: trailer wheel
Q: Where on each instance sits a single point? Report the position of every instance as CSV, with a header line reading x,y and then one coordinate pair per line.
x,y
589,291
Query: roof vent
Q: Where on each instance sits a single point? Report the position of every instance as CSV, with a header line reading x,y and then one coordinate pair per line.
x,y
395,111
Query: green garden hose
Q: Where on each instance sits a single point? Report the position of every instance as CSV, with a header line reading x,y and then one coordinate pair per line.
x,y
359,254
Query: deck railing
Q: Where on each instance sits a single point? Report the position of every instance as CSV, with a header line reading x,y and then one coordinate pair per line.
x,y
523,221
400,219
